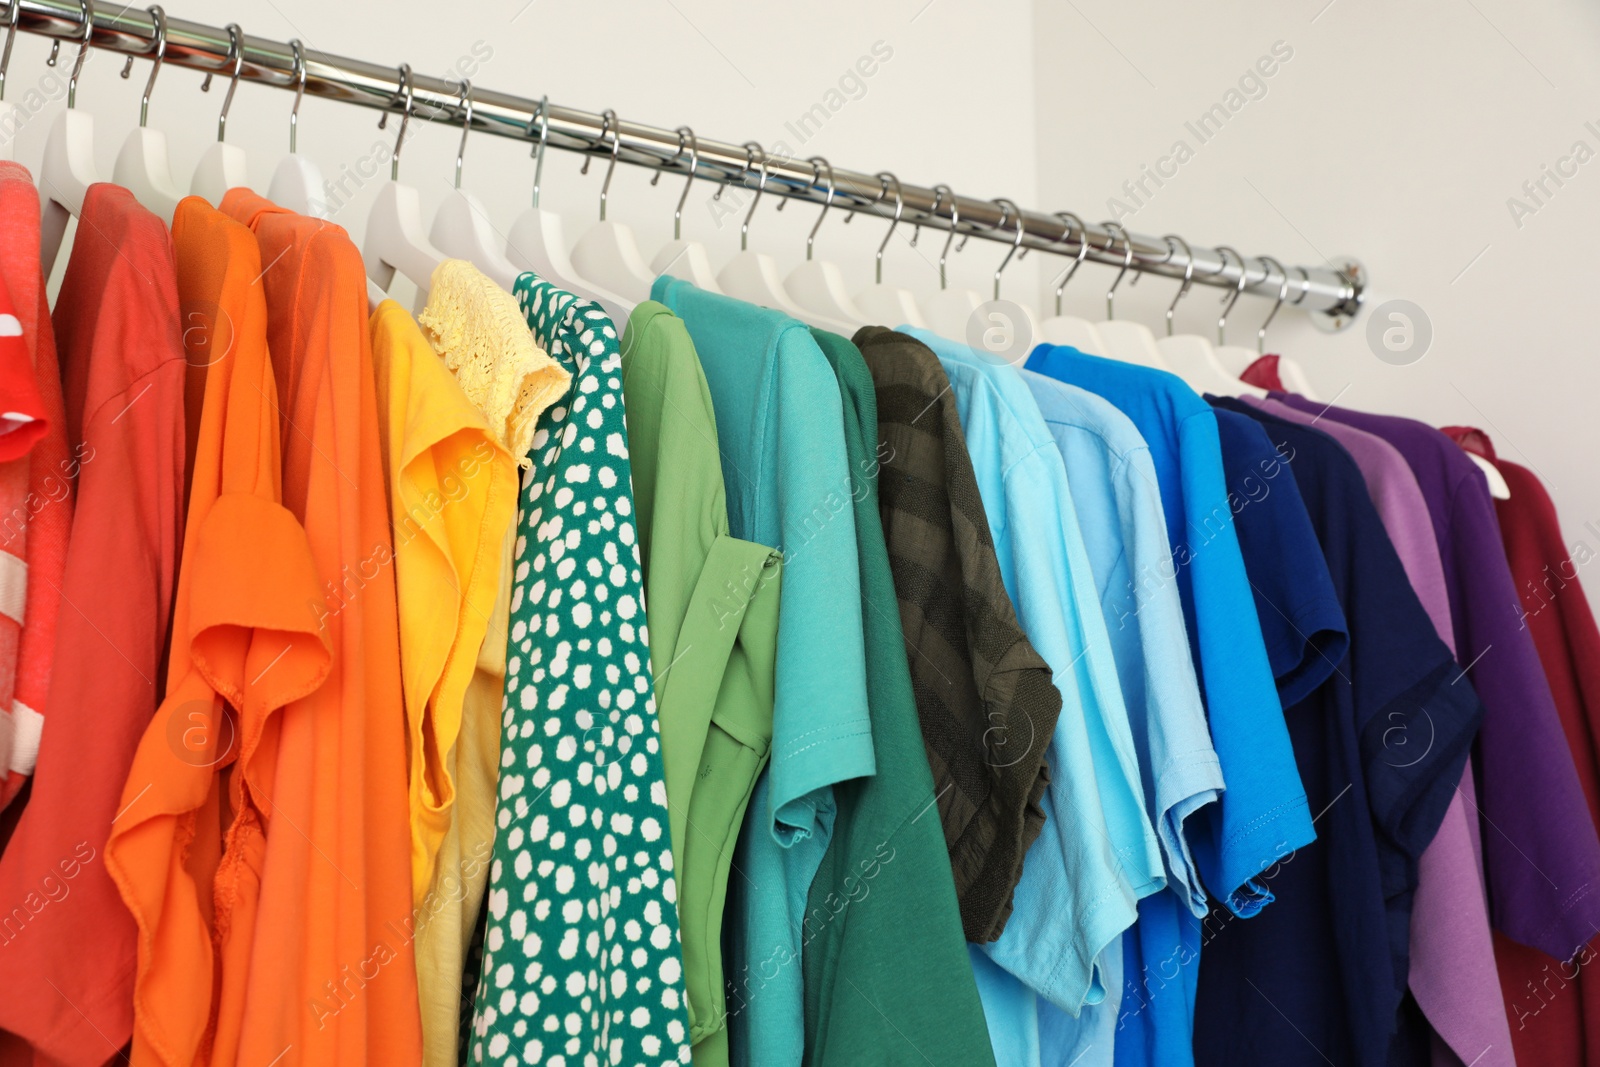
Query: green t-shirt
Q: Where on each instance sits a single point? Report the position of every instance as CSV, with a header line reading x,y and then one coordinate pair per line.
x,y
712,608
887,976
581,961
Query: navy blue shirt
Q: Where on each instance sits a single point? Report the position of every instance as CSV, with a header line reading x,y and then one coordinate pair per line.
x,y
1318,978
1301,620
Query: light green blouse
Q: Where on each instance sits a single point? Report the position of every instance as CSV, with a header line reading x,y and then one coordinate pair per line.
x,y
713,615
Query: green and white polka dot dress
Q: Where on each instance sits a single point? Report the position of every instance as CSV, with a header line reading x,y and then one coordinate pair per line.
x,y
581,960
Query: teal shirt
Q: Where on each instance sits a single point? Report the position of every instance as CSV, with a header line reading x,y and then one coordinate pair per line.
x,y
886,969
1098,853
780,423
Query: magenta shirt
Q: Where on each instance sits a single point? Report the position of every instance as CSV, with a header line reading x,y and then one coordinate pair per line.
x,y
1541,852
1452,972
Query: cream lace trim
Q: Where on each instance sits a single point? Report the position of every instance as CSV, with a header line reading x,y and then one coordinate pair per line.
x,y
479,332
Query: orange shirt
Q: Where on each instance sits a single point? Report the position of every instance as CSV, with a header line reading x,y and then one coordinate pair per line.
x,y
331,975
67,983
245,642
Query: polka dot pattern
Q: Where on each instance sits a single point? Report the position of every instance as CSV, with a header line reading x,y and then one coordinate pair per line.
x,y
581,961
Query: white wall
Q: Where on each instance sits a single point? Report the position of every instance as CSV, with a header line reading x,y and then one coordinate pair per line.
x,y
1396,133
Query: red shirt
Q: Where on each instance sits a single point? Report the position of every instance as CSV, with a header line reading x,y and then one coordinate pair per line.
x,y
67,940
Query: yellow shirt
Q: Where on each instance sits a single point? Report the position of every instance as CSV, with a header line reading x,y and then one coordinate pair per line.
x,y
505,381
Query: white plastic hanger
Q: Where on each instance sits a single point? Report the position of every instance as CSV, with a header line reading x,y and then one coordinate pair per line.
x,y
1191,355
297,183
889,305
753,276
1497,481
685,259
1061,329
68,168
536,243
143,166
222,165
8,112
461,226
395,240
818,285
1131,342
949,311
607,251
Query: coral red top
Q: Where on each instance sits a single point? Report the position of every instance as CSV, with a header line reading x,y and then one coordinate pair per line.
x,y
67,984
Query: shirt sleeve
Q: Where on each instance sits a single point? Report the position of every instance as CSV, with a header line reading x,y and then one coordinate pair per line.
x,y
1088,867
1263,815
1184,773
821,730
1415,715
1302,624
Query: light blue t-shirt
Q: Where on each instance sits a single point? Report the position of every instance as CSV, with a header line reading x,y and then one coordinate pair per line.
x,y
780,425
1263,815
1114,487
1098,852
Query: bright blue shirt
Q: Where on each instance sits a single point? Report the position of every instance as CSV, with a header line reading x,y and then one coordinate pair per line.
x,y
1263,815
1114,487
1098,852
780,424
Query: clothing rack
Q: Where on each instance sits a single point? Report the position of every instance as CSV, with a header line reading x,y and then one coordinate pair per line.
x,y
1332,293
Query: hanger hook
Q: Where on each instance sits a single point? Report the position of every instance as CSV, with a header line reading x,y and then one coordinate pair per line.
x,y
750,150
83,51
1008,207
608,122
693,143
236,57
1127,262
817,163
1188,274
940,191
13,14
157,55
1223,251
884,178
1267,262
466,125
408,93
297,52
1083,252
541,119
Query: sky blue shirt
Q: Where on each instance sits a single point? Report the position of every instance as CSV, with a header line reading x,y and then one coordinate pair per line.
x,y
780,424
1098,852
1114,487
1263,815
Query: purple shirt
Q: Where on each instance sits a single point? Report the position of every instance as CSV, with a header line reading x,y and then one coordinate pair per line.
x,y
1452,972
1541,853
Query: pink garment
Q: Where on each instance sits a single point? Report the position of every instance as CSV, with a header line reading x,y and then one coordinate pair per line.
x,y
1453,974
